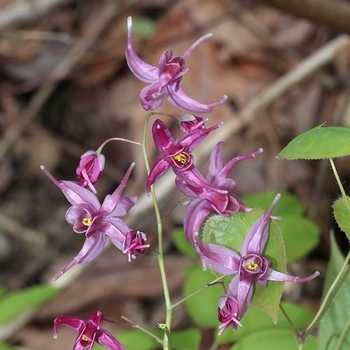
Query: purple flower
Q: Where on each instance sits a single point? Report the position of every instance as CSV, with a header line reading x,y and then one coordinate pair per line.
x,y
216,196
228,313
90,167
176,154
247,266
164,79
189,122
90,332
96,221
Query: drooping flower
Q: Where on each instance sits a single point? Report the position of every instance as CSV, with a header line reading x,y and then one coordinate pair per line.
x,y
247,266
165,78
89,332
175,154
189,122
216,196
97,222
90,167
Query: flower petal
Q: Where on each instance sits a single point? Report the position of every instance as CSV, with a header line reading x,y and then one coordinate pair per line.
x,y
106,339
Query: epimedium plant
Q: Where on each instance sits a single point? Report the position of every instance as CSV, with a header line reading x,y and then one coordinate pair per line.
x,y
239,251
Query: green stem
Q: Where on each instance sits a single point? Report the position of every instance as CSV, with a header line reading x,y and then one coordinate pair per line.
x,y
99,150
166,340
289,321
342,335
198,291
339,183
338,282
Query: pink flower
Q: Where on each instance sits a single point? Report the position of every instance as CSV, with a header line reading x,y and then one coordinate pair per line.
x,y
175,154
89,332
90,167
249,265
216,195
99,221
165,78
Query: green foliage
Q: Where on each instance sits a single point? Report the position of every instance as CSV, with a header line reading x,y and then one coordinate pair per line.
x,y
181,243
230,232
16,303
273,339
337,316
188,339
255,320
319,143
4,346
300,234
142,27
202,308
342,214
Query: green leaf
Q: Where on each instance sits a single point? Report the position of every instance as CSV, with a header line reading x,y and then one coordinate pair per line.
x,y
288,204
18,302
230,233
337,316
256,320
134,339
319,143
181,243
342,215
142,27
300,236
188,339
202,307
273,339
4,346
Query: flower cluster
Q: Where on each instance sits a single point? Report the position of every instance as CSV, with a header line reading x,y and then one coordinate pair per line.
x,y
207,195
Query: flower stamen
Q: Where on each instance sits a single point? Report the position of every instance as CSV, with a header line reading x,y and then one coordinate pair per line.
x,y
86,222
181,158
252,266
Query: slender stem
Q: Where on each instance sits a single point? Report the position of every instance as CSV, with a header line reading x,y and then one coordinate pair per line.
x,y
160,256
338,282
289,321
198,291
142,329
339,183
342,335
99,150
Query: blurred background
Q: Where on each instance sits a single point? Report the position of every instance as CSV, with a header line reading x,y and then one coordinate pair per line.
x,y
65,88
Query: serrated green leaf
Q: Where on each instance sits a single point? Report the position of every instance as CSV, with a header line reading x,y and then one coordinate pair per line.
x,y
14,304
273,339
337,316
300,236
288,204
342,215
188,339
202,308
319,143
180,242
230,232
256,320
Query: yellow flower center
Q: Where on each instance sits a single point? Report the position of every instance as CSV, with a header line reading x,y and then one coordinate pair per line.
x,y
86,221
83,338
252,266
180,158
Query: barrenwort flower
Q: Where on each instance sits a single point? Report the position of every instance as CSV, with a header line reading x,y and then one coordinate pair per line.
x,y
89,332
216,196
165,78
176,154
247,266
97,221
90,167
228,313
